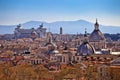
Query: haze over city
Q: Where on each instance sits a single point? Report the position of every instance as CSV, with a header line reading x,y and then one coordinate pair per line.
x,y
13,12
59,40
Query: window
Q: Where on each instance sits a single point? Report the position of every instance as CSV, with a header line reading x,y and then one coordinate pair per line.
x,y
63,59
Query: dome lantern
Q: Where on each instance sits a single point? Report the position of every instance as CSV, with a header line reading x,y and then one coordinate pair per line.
x,y
96,25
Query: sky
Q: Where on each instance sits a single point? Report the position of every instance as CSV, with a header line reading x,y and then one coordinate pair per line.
x,y
13,12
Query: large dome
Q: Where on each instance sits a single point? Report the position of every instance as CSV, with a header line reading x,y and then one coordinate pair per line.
x,y
85,49
96,35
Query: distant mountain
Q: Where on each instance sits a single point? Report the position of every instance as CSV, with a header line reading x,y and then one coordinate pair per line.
x,y
7,29
69,27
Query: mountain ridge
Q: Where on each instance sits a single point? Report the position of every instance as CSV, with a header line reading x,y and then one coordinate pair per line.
x,y
69,27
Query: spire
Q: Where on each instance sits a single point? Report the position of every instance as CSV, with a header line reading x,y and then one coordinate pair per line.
x,y
85,31
85,36
50,38
61,31
96,20
96,25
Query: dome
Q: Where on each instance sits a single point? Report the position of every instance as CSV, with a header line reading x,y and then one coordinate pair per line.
x,y
85,49
51,44
53,52
96,35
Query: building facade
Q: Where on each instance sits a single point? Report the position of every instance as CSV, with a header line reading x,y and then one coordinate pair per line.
x,y
40,32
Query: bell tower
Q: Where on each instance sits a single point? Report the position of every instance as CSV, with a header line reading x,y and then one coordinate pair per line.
x,y
85,36
61,30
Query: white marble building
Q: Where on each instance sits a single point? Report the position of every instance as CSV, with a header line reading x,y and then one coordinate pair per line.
x,y
30,33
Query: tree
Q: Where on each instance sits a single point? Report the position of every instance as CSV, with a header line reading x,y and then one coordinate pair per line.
x,y
42,72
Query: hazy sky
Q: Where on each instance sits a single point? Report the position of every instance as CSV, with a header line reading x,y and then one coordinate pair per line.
x,y
20,11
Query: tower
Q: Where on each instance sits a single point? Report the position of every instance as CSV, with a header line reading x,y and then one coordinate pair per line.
x,y
50,38
61,30
85,36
